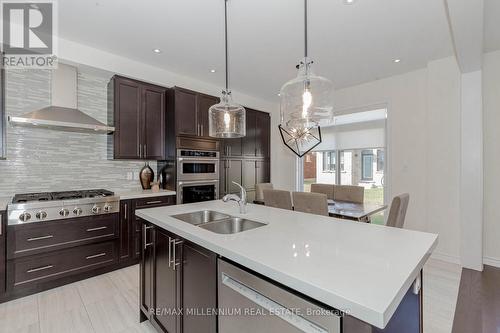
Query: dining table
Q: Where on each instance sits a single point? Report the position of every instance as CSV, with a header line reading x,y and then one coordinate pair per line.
x,y
361,212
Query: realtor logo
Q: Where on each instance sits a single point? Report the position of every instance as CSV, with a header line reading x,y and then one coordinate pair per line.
x,y
28,34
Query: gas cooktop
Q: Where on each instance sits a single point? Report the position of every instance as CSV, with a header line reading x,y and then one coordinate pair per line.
x,y
46,206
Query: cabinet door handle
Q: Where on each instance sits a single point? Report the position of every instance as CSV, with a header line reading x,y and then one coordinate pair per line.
x,y
145,231
140,151
33,270
230,150
169,251
153,202
1,225
174,244
96,256
145,150
39,238
126,211
96,229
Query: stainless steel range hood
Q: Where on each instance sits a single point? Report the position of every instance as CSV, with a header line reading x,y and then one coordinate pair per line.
x,y
63,113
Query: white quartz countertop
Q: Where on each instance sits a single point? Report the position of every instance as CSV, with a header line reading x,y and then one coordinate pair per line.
x,y
137,194
359,268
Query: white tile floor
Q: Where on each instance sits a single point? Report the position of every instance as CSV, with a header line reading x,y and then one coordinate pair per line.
x,y
109,303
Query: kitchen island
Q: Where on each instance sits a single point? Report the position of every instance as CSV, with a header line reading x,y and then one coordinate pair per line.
x,y
364,271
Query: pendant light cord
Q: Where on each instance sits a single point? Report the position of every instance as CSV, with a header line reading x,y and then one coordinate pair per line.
x,y
305,28
226,47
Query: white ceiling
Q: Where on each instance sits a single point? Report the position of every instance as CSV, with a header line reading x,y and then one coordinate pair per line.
x,y
350,44
491,25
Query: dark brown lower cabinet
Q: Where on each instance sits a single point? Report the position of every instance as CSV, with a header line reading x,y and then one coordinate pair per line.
x,y
130,228
178,283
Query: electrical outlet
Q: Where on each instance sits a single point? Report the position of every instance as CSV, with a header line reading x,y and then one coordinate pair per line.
x,y
136,175
130,175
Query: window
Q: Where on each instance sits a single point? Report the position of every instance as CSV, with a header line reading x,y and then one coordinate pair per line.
x,y
329,161
380,160
341,158
367,165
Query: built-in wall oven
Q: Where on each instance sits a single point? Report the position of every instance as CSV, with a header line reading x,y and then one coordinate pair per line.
x,y
197,191
197,165
197,175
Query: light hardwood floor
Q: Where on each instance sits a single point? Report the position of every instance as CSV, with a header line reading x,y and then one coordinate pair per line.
x,y
109,303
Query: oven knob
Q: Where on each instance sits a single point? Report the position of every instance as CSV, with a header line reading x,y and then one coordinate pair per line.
x,y
64,212
41,215
25,216
96,209
77,211
107,208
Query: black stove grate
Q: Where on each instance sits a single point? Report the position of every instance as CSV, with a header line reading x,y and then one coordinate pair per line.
x,y
65,195
26,197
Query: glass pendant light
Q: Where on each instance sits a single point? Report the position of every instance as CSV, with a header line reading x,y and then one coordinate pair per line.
x,y
306,104
226,119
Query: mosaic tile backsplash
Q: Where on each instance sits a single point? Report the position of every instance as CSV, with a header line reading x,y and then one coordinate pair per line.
x,y
51,160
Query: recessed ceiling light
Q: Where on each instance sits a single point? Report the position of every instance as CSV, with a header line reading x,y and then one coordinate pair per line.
x,y
279,94
349,2
397,60
156,50
213,71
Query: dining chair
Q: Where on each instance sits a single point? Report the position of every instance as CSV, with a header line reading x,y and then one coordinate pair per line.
x,y
397,214
323,188
349,193
259,192
313,203
278,199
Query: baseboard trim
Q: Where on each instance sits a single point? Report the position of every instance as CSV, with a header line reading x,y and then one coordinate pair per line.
x,y
446,258
491,261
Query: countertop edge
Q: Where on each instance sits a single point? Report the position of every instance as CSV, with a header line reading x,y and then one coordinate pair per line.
x,y
139,195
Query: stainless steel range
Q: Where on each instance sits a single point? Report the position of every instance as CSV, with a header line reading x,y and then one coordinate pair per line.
x,y
48,206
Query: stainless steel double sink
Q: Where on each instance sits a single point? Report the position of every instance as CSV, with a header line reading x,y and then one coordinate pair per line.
x,y
218,222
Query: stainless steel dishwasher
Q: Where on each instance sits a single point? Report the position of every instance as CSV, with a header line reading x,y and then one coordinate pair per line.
x,y
250,304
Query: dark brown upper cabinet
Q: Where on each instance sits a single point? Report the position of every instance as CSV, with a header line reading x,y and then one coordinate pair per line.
x,y
139,110
256,142
191,112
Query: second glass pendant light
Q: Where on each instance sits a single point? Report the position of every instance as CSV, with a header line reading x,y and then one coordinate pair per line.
x,y
306,104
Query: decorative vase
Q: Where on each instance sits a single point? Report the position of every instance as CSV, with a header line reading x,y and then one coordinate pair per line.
x,y
146,176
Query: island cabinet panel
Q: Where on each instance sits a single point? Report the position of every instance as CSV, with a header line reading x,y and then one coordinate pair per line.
x,y
407,318
166,281
178,283
199,283
139,110
3,224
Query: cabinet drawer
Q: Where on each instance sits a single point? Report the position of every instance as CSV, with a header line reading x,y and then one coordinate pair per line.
x,y
35,238
56,264
154,202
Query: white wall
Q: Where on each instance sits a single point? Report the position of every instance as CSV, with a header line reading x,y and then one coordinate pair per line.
x,y
423,153
491,125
